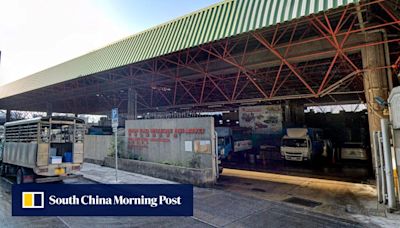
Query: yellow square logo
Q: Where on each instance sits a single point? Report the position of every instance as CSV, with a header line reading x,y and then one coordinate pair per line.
x,y
32,199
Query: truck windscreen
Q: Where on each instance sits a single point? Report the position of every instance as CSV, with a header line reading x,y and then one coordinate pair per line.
x,y
294,142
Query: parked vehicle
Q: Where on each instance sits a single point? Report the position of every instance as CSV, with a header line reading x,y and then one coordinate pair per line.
x,y
230,141
301,144
354,151
100,130
43,149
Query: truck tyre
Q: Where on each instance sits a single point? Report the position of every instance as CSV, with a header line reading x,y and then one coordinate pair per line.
x,y
2,170
315,161
20,176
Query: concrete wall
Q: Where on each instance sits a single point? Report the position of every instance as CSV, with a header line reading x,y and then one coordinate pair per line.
x,y
161,148
199,177
95,147
147,143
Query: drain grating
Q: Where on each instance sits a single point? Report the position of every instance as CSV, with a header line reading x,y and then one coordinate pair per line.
x,y
302,202
258,190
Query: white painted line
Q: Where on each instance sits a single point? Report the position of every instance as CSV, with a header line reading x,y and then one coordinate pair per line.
x,y
205,222
63,221
7,180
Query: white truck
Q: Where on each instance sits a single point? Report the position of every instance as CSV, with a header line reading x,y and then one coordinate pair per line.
x,y
302,144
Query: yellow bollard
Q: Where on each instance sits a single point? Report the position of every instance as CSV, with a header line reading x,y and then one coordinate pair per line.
x,y
396,182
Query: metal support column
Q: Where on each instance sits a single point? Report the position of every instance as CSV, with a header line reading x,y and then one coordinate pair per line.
x,y
49,109
288,117
132,104
294,114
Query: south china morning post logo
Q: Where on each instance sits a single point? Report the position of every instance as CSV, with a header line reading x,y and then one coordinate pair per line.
x,y
33,200
102,200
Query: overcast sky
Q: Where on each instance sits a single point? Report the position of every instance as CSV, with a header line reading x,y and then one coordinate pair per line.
x,y
37,34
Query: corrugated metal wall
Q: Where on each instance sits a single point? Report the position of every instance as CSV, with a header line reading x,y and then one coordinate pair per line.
x,y
226,19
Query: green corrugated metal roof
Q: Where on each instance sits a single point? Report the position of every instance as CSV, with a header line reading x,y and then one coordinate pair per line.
x,y
222,20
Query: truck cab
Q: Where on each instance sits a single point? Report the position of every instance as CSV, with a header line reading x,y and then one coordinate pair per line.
x,y
232,141
302,144
225,141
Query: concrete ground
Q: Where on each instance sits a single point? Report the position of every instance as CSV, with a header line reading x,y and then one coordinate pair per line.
x,y
346,200
352,201
349,171
224,207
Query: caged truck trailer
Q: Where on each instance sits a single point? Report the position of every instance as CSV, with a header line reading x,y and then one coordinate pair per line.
x,y
45,149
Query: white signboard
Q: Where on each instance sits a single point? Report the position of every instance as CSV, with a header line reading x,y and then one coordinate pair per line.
x,y
114,117
188,146
263,119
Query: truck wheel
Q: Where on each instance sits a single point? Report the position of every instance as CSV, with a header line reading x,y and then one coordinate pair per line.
x,y
315,161
2,170
20,176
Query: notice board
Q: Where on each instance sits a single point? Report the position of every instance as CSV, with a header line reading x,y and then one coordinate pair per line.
x,y
263,119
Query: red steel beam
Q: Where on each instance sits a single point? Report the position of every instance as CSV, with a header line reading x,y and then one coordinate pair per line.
x,y
340,46
165,97
188,92
242,62
243,69
241,90
282,34
175,90
328,72
397,62
204,79
390,13
276,80
284,55
334,43
207,75
266,44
